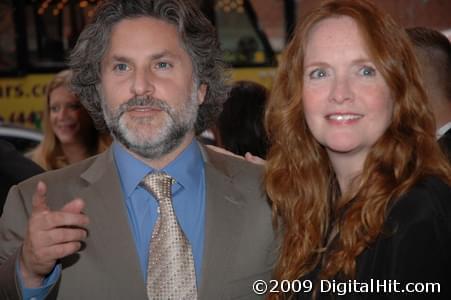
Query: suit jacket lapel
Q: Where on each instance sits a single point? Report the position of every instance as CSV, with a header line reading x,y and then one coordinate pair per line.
x,y
223,218
110,227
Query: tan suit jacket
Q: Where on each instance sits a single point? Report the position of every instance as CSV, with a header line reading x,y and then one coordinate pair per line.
x,y
239,245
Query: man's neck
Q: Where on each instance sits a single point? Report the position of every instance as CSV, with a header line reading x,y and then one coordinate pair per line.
x,y
163,161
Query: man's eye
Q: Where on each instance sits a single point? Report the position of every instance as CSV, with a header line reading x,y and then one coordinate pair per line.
x,y
318,73
121,67
367,71
54,108
163,65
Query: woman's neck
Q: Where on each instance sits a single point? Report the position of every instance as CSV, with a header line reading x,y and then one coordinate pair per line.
x,y
347,167
75,152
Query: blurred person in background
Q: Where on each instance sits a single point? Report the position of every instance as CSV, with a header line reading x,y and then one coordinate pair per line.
x,y
14,168
356,178
69,132
433,51
240,125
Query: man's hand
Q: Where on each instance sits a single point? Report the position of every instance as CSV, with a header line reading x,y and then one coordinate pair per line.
x,y
248,156
254,159
51,235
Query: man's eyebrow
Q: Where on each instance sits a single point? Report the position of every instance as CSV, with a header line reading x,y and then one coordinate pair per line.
x,y
120,58
164,53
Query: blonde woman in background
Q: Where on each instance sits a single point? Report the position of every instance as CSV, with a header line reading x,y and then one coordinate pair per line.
x,y
69,132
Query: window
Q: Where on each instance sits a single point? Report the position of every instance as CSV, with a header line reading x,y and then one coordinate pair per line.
x,y
241,37
8,61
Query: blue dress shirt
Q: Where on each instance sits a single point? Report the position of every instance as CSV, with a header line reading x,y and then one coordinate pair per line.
x,y
188,198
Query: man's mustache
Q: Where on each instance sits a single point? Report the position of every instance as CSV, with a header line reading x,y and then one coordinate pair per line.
x,y
150,102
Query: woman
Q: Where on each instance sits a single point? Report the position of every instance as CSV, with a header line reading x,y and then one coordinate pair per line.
x,y
69,133
356,178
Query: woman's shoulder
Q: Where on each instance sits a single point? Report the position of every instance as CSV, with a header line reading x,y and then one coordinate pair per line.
x,y
37,155
415,243
429,198
430,191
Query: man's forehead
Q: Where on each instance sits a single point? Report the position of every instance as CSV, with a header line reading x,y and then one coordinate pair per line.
x,y
138,22
155,35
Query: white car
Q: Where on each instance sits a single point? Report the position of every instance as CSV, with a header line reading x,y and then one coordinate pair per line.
x,y
24,139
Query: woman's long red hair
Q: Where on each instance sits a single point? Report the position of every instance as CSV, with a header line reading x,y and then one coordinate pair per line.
x,y
299,178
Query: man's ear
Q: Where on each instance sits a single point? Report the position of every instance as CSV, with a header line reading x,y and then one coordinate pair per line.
x,y
201,92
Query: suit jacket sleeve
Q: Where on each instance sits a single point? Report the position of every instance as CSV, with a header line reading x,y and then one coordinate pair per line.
x,y
13,226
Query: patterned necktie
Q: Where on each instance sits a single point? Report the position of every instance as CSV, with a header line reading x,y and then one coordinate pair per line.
x,y
170,272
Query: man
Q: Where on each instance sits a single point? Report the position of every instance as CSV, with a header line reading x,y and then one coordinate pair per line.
x,y
14,168
433,51
151,71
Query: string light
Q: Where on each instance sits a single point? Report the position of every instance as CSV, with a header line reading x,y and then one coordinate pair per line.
x,y
58,7
228,6
84,4
91,13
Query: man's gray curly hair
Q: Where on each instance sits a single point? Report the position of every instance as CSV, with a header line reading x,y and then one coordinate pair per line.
x,y
198,37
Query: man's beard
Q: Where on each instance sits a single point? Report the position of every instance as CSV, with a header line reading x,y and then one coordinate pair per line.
x,y
132,134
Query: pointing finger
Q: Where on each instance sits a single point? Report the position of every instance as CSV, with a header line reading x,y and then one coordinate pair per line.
x,y
39,202
75,206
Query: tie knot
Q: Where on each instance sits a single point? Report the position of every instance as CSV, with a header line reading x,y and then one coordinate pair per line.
x,y
158,184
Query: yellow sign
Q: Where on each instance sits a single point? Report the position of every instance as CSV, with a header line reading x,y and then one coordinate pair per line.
x,y
22,99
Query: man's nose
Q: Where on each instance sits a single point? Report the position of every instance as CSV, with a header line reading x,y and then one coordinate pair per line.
x,y
142,83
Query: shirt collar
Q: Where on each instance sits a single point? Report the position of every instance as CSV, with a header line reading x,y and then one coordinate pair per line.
x,y
186,168
442,130
131,170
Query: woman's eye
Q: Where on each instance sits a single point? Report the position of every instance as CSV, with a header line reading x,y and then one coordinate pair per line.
x,y
318,74
121,67
54,108
75,106
367,71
